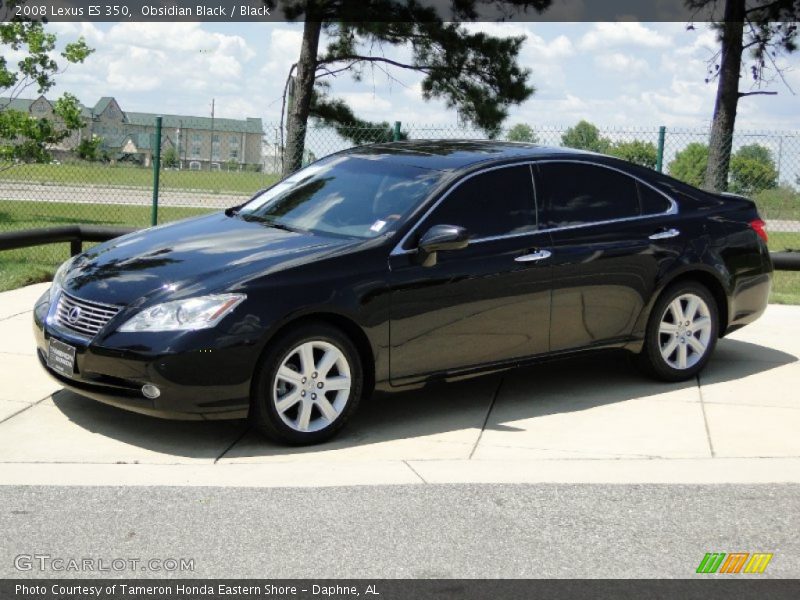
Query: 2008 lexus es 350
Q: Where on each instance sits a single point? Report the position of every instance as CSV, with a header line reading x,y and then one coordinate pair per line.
x,y
392,264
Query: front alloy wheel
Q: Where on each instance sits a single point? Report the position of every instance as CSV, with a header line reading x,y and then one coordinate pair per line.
x,y
312,386
681,333
309,384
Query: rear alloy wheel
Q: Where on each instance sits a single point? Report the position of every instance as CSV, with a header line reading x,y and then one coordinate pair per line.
x,y
681,334
309,385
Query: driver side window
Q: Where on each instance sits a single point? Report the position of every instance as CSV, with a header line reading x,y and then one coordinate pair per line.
x,y
496,203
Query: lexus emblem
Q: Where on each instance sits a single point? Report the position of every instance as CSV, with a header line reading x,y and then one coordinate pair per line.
x,y
74,314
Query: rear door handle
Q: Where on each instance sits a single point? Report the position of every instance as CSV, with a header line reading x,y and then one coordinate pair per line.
x,y
665,234
534,256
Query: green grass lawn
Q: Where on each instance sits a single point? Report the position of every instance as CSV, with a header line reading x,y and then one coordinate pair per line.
x,y
32,265
780,241
778,203
101,174
785,287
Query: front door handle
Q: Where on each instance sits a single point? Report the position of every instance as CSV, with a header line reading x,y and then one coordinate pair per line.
x,y
665,234
534,256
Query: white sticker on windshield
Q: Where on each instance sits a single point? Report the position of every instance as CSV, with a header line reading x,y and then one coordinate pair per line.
x,y
377,226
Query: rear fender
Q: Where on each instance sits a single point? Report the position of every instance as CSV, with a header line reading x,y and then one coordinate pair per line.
x,y
709,269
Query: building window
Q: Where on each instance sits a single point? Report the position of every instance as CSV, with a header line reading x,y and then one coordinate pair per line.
x,y
196,137
195,150
215,167
215,138
234,153
194,165
234,139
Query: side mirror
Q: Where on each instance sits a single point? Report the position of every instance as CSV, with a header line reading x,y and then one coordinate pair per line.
x,y
438,238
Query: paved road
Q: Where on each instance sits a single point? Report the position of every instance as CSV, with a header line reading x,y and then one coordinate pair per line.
x,y
469,531
109,195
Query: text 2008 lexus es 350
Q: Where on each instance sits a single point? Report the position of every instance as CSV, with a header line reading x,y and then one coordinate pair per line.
x,y
392,264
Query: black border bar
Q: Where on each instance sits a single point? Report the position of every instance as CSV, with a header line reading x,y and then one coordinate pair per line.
x,y
686,11
704,587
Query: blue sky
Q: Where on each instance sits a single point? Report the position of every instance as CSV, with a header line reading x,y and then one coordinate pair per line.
x,y
617,75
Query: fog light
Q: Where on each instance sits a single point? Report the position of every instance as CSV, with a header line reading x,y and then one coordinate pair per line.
x,y
150,391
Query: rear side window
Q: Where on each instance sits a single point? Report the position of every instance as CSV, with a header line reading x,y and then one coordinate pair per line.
x,y
495,203
577,194
652,202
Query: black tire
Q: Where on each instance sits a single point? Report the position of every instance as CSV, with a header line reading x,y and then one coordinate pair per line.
x,y
264,415
651,361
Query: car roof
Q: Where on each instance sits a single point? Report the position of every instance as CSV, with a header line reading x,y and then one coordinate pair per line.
x,y
451,155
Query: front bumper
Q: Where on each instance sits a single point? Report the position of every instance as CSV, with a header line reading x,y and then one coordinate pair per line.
x,y
195,384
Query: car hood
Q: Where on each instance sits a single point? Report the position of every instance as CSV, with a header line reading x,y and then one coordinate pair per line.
x,y
204,254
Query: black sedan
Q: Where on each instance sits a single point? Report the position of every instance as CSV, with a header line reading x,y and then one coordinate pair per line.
x,y
393,264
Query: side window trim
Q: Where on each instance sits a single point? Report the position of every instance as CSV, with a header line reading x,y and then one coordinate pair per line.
x,y
536,207
399,250
672,210
640,185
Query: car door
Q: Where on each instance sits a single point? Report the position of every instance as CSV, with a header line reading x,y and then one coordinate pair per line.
x,y
611,235
483,304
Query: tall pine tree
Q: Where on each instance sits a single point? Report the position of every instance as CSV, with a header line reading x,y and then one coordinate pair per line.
x,y
475,73
752,35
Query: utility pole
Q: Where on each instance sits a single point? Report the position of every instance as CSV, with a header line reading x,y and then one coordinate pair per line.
x,y
178,141
211,152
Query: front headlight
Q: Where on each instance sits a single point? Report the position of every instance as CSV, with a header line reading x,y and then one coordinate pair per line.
x,y
58,278
184,315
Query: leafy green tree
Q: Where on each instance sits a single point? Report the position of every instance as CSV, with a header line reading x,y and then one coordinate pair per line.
x,y
23,137
337,114
585,136
169,158
90,149
636,151
753,170
690,164
522,133
766,29
475,73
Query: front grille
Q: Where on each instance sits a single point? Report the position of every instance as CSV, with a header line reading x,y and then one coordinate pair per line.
x,y
83,317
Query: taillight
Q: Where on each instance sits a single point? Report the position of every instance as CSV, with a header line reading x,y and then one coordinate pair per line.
x,y
760,228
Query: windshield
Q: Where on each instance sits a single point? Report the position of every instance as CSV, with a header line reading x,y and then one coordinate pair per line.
x,y
344,195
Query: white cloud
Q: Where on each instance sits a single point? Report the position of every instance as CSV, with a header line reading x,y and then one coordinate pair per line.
x,y
698,42
614,74
282,52
622,64
497,29
183,65
88,31
372,106
556,49
612,35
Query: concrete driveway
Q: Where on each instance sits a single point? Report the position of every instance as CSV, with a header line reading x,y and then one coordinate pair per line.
x,y
590,419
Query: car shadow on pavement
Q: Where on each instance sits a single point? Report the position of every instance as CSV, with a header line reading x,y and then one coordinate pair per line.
x,y
440,420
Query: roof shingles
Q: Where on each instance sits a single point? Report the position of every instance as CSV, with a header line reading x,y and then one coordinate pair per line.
x,y
249,125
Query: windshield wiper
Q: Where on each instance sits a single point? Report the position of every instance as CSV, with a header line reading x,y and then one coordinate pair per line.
x,y
277,225
269,222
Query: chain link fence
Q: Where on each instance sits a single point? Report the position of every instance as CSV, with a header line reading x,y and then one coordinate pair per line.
x,y
211,164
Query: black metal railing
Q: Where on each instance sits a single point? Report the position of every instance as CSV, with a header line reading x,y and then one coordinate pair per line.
x,y
74,234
